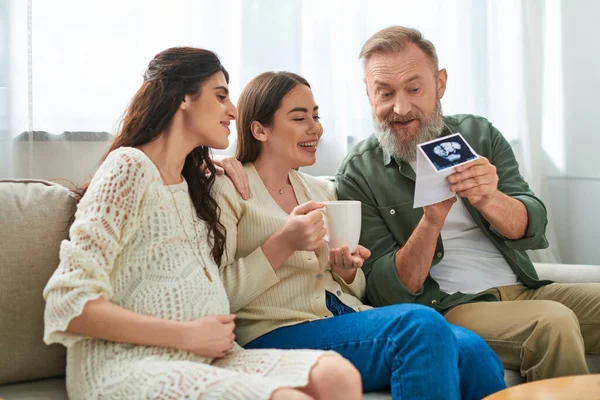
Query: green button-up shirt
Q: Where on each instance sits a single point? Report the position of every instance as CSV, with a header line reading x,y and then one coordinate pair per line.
x,y
386,187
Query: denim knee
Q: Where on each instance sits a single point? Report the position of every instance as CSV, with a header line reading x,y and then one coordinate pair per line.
x,y
427,323
474,350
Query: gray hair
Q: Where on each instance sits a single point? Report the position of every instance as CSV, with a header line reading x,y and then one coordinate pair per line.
x,y
394,40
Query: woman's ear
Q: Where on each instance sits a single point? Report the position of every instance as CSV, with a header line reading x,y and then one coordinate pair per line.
x,y
185,102
258,131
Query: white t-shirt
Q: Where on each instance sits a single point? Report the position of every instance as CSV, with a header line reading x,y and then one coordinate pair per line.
x,y
471,262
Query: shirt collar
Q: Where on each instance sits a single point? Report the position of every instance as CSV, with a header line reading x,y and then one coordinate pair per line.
x,y
387,158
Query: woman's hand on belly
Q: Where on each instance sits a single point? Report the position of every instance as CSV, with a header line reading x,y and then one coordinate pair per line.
x,y
210,336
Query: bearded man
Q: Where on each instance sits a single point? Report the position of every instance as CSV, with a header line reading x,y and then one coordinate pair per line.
x,y
466,256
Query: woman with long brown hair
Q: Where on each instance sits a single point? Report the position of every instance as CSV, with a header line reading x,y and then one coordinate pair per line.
x,y
289,290
137,298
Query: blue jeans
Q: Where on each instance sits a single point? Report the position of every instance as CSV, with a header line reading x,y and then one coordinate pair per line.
x,y
408,348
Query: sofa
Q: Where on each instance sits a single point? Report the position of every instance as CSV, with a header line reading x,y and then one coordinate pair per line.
x,y
34,219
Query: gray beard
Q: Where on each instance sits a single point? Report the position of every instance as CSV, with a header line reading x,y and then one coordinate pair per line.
x,y
406,150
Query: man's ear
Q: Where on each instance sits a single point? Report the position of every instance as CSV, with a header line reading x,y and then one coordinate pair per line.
x,y
258,131
442,79
367,92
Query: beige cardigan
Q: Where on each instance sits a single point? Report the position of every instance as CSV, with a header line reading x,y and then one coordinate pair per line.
x,y
262,299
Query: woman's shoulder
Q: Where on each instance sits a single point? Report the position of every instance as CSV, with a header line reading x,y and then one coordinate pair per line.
x,y
223,185
320,186
125,167
223,182
129,157
325,181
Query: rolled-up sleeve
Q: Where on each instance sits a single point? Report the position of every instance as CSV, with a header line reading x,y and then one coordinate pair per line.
x,y
383,284
358,286
512,183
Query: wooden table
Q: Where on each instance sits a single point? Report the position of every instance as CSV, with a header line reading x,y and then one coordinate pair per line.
x,y
583,387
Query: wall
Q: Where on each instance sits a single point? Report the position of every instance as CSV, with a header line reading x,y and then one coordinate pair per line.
x,y
69,162
4,135
575,193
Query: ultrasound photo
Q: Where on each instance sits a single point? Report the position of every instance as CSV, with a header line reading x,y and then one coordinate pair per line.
x,y
448,151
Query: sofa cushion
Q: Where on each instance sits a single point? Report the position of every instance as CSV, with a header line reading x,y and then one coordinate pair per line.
x,y
593,362
47,389
34,219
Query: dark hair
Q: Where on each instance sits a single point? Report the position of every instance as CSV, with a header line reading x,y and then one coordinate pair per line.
x,y
259,101
171,75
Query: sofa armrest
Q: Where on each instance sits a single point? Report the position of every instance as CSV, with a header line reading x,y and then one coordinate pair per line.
x,y
568,273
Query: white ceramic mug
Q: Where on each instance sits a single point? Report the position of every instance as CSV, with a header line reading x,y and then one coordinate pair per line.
x,y
343,221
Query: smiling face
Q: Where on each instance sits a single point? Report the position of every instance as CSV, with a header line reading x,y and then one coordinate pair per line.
x,y
206,117
405,90
293,135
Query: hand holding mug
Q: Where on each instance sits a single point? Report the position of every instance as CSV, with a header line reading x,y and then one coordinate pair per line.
x,y
341,258
305,228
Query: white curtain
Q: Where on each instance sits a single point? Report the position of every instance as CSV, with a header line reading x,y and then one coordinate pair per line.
x,y
73,66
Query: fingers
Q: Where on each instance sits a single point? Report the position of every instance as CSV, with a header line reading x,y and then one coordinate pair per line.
x,y
241,186
347,260
473,170
334,258
470,173
352,260
363,252
227,345
480,180
218,158
317,240
357,262
219,170
337,258
225,319
317,245
229,326
450,201
307,207
315,217
477,191
238,176
339,262
480,161
245,181
343,259
314,223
